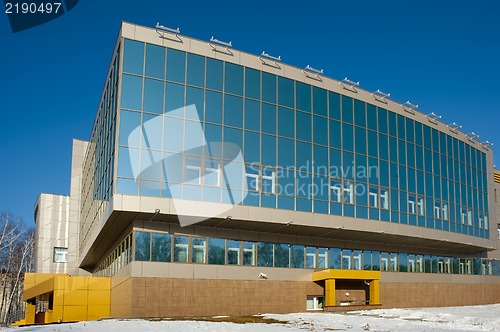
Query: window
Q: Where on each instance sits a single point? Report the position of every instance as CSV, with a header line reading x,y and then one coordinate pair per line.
x,y
437,210
384,262
268,180
252,176
322,258
216,251
142,246
133,60
160,247
60,255
265,250
181,249
411,263
346,260
356,256
265,183
384,198
212,172
349,192
214,74
311,257
297,256
233,252
249,253
315,302
393,262
176,65
281,255
195,69
463,215
448,265
373,197
444,208
199,250
192,171
131,92
336,191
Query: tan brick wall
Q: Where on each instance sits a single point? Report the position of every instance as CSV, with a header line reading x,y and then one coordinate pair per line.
x,y
168,297
405,295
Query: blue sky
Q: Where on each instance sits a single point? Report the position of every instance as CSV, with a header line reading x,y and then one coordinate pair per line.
x,y
442,55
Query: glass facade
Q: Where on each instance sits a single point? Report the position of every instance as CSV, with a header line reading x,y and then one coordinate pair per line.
x,y
175,248
98,173
304,148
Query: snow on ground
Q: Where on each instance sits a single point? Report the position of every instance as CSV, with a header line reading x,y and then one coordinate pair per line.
x,y
472,318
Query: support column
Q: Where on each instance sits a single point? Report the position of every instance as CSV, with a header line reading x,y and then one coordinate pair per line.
x,y
330,293
30,314
374,292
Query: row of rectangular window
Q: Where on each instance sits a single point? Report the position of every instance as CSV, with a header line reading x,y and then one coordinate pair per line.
x,y
279,150
309,128
120,257
179,168
98,175
162,247
342,202
397,126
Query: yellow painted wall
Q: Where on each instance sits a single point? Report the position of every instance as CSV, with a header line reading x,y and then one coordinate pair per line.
x,y
330,300
75,298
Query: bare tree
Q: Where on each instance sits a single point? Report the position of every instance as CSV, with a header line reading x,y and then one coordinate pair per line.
x,y
16,258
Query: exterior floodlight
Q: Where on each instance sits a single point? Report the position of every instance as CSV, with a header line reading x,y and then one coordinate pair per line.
x,y
274,59
266,55
433,117
380,96
409,107
216,42
349,82
487,145
162,30
472,137
167,29
314,71
454,127
349,85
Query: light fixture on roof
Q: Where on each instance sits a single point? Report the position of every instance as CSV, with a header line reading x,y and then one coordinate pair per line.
x,y
409,107
454,127
380,96
487,145
433,117
314,71
472,137
161,30
349,85
274,59
216,42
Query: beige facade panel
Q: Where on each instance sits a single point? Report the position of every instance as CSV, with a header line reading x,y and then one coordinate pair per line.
x,y
52,217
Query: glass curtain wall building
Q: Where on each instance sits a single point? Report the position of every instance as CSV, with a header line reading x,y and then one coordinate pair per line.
x,y
210,167
304,148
